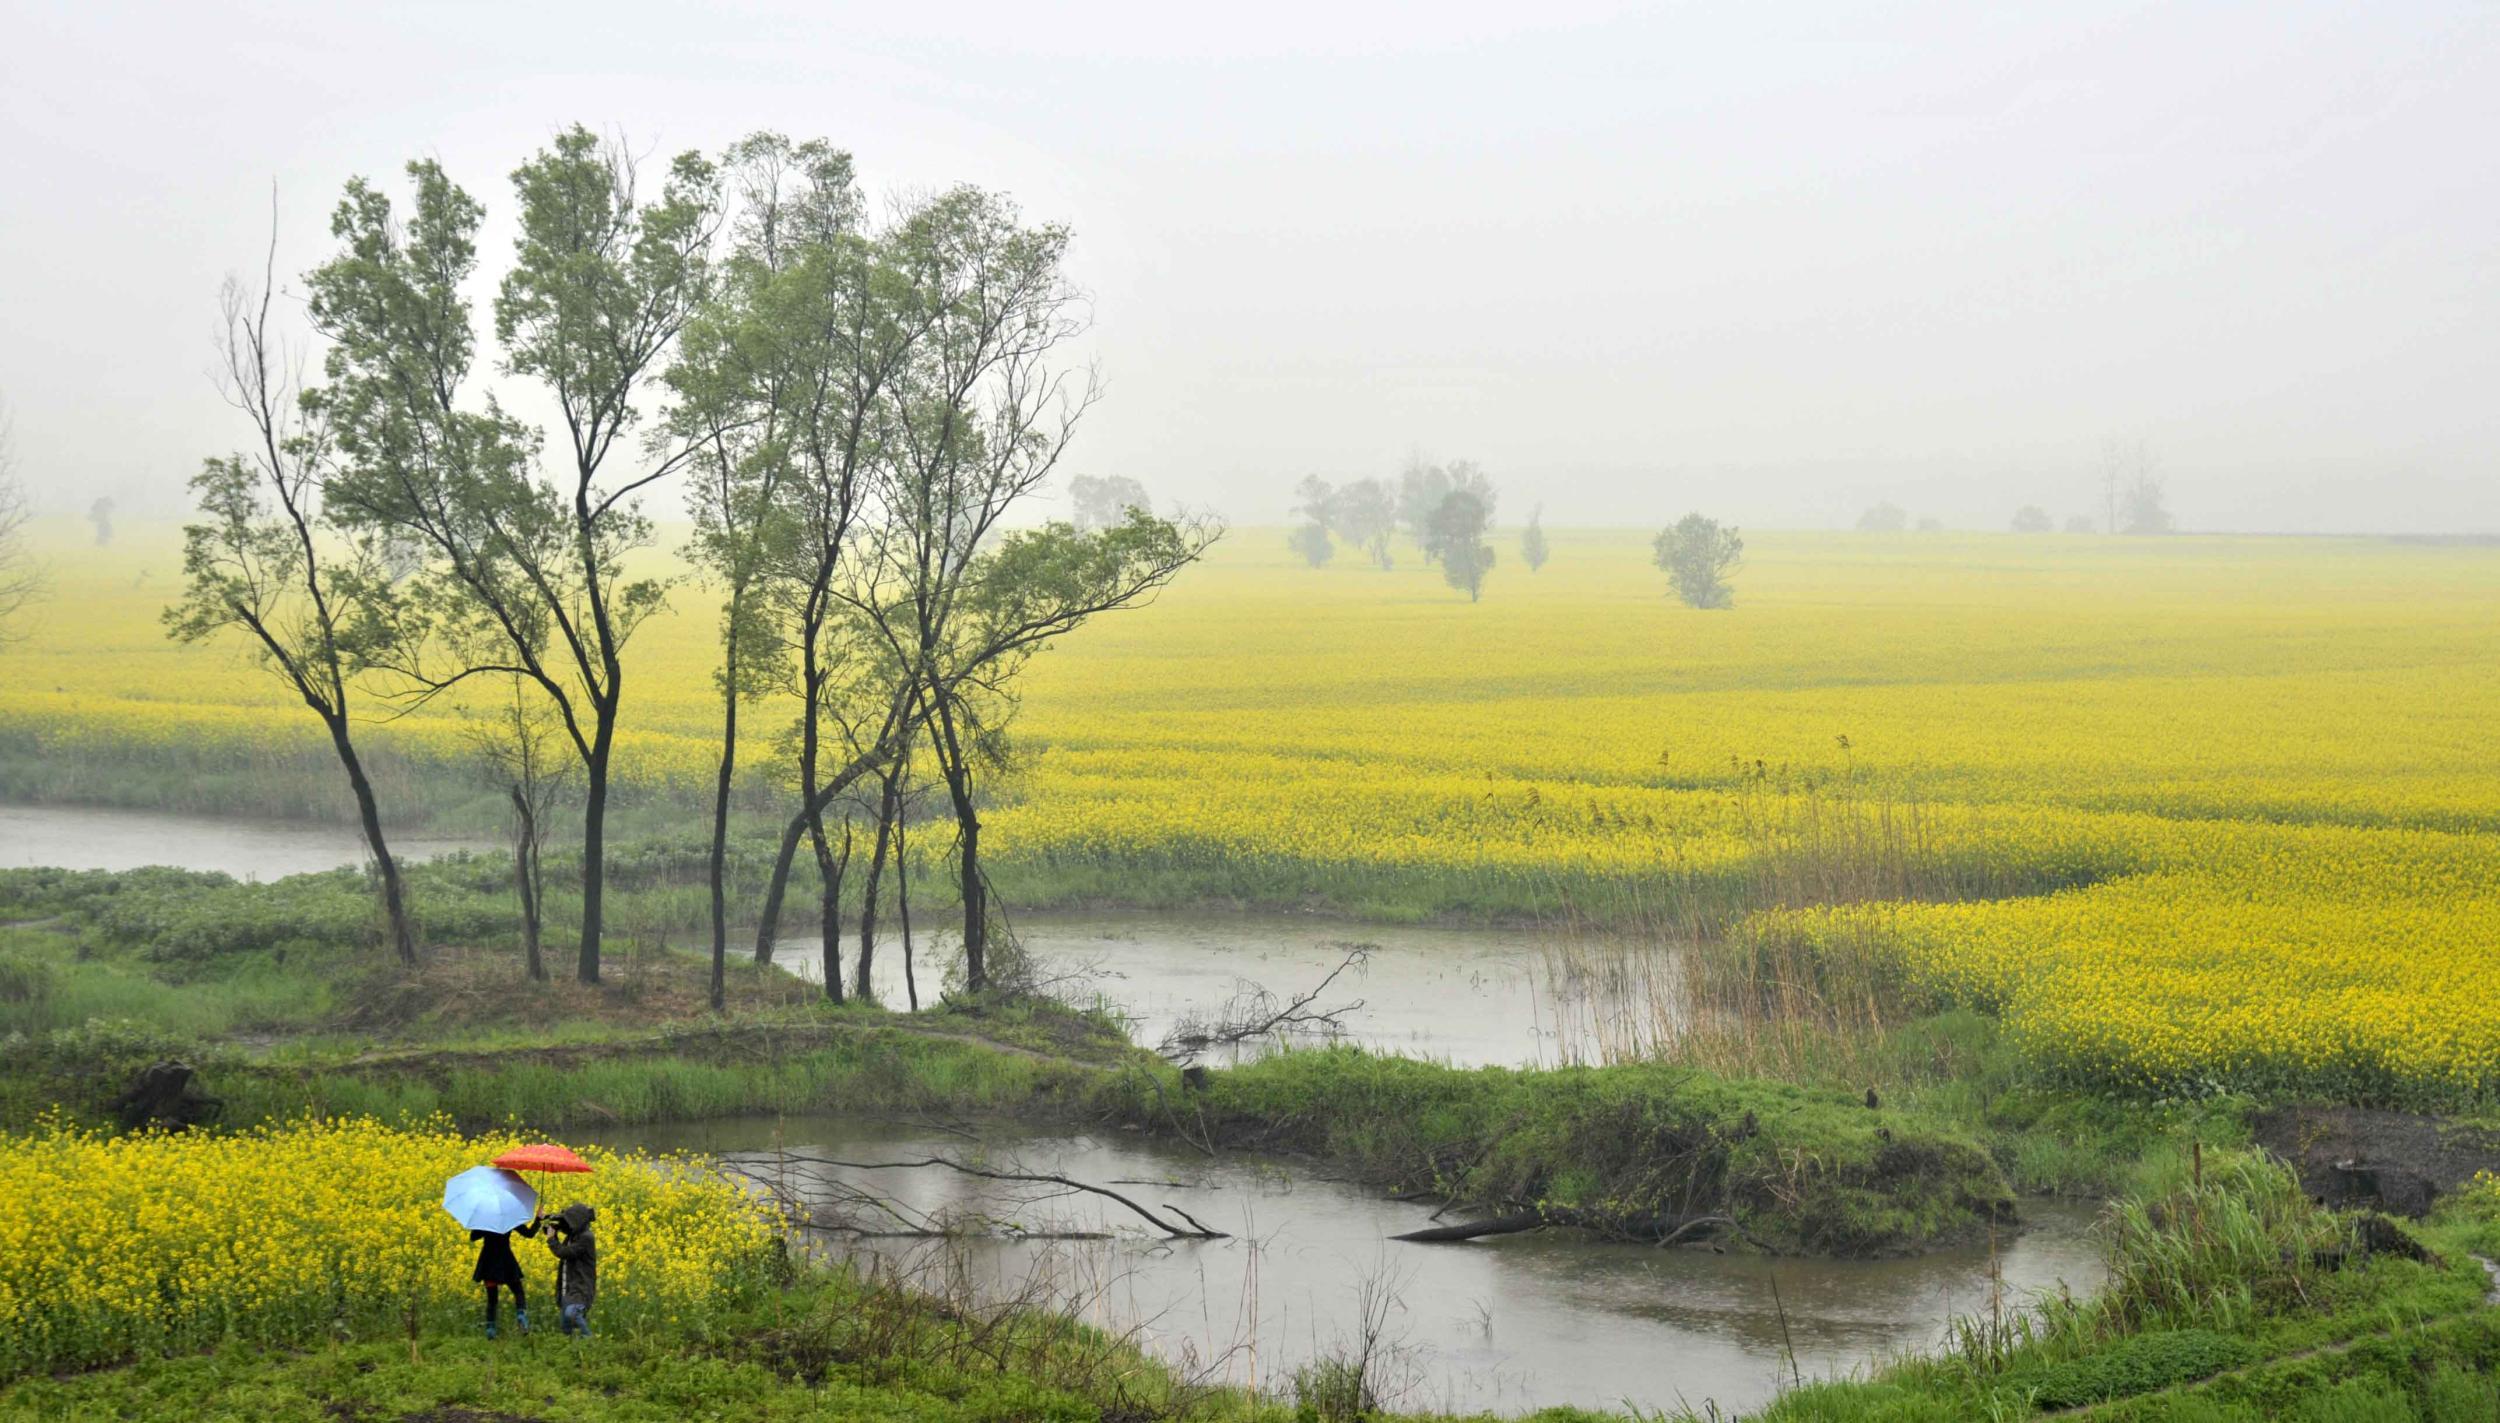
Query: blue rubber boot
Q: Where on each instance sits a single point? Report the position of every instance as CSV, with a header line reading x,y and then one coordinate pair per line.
x,y
522,1317
490,1329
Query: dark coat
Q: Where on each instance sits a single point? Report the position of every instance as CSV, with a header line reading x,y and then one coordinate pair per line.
x,y
576,1248
496,1264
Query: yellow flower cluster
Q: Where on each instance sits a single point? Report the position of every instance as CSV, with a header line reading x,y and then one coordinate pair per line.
x,y
115,1245
2214,809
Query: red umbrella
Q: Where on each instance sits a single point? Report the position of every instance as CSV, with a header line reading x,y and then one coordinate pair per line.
x,y
545,1156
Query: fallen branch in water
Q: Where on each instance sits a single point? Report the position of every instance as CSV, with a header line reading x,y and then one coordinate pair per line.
x,y
1254,1013
1653,1230
1194,1231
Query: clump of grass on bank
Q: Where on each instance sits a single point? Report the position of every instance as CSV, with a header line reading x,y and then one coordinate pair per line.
x,y
2232,1297
1633,1143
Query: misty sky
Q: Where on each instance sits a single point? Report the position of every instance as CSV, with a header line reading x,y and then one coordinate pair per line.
x,y
1632,260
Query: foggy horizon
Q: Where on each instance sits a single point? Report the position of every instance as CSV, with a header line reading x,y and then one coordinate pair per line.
x,y
1775,268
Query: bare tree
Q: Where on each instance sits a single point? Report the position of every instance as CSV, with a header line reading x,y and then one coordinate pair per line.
x,y
2125,466
21,577
267,561
520,745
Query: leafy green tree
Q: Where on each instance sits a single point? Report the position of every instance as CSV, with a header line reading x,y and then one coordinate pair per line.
x,y
750,377
1532,549
266,561
863,307
1457,531
1697,554
1311,544
1038,585
2032,519
1883,518
520,574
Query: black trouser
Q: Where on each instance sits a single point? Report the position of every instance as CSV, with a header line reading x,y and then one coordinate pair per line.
x,y
520,1298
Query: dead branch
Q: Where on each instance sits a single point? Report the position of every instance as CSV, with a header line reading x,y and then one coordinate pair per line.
x,y
1254,1013
1194,1231
1652,1230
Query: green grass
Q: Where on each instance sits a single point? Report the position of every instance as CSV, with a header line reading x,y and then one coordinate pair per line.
x,y
1800,1169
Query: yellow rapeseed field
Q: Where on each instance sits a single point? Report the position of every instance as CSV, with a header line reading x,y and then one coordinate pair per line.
x,y
2207,810
115,1245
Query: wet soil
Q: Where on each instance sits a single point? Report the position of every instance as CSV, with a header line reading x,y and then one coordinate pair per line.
x,y
2399,1162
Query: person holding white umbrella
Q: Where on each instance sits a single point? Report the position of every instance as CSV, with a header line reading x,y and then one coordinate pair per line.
x,y
495,1204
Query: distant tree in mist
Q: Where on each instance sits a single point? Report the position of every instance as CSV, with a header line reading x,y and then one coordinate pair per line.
x,y
1360,513
1314,505
1423,487
20,578
1101,503
2146,510
1931,525
2032,519
1311,544
1532,550
2131,494
2080,524
1697,554
100,514
1884,518
1457,531
1365,514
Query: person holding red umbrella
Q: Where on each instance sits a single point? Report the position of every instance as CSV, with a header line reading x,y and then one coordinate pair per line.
x,y
496,1264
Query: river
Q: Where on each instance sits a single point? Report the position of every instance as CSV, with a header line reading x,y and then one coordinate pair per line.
x,y
82,837
1506,1324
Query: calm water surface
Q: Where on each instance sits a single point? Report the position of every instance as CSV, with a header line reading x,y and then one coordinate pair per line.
x,y
79,837
1514,1323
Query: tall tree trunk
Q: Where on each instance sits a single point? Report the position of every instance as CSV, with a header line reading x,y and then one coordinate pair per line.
x,y
958,775
876,877
829,872
768,921
369,814
720,813
812,805
830,869
525,880
902,904
595,844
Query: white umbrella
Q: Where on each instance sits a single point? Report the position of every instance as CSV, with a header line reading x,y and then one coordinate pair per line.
x,y
489,1198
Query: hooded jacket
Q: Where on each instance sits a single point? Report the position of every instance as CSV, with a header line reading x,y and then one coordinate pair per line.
x,y
576,1249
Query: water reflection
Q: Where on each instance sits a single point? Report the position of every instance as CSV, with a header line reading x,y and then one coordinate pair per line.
x,y
1515,1323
